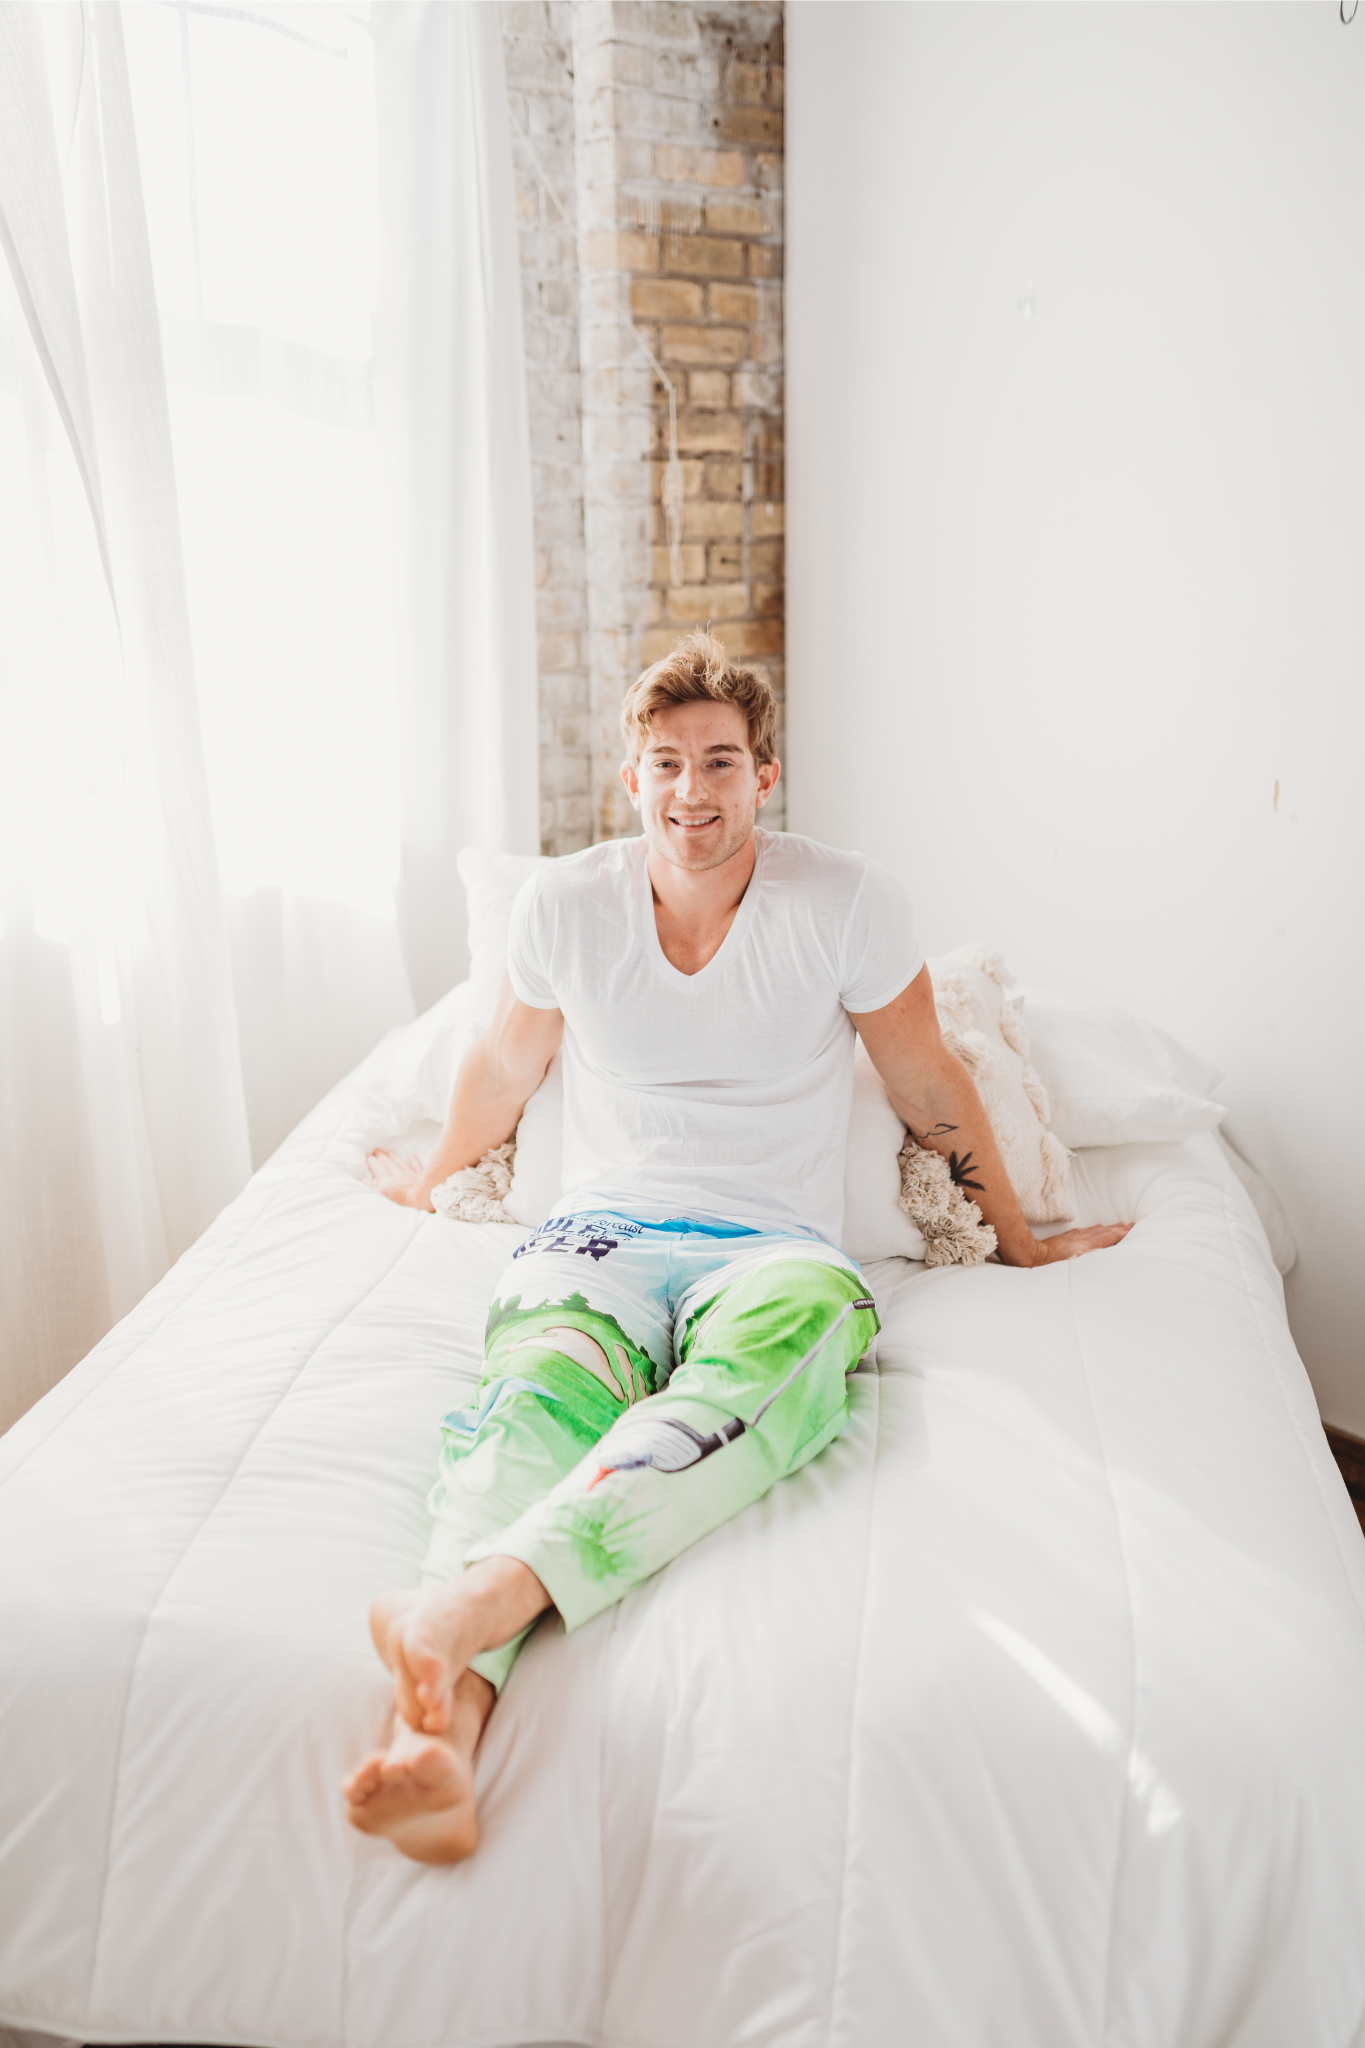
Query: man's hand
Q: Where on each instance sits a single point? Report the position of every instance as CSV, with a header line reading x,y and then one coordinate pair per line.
x,y
501,1070
399,1178
1069,1244
934,1096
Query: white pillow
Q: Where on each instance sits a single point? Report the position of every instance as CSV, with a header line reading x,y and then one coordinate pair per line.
x,y
538,1169
875,1225
1114,1079
492,882
433,1048
403,1089
981,1016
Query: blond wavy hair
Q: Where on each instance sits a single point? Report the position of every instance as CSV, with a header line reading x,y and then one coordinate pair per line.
x,y
698,672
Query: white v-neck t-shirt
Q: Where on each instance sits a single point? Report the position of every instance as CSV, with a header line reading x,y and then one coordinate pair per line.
x,y
724,1093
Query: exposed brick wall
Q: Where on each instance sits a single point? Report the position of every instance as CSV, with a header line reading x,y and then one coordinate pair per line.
x,y
666,143
537,50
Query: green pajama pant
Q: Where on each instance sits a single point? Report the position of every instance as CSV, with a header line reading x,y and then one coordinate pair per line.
x,y
642,1383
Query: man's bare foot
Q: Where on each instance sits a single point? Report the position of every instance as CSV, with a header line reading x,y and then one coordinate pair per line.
x,y
427,1638
419,1793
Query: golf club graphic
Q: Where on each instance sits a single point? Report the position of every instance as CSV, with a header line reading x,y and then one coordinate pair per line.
x,y
667,1445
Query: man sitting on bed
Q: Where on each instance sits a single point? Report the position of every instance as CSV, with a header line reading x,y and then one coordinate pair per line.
x,y
676,1337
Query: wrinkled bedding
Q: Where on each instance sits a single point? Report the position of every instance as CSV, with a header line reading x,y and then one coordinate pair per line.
x,y
1028,1714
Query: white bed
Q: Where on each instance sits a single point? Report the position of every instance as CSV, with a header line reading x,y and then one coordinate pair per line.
x,y
1030,1714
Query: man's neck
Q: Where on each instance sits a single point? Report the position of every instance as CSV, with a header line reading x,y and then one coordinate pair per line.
x,y
694,908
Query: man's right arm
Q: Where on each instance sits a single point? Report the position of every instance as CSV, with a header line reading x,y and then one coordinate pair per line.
x,y
496,1080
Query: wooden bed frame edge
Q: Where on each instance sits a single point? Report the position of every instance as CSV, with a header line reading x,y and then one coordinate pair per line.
x,y
1349,1452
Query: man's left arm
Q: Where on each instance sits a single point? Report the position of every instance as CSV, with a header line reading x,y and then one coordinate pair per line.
x,y
934,1096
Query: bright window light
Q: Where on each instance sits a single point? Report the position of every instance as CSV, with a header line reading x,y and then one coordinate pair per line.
x,y
64,846
256,132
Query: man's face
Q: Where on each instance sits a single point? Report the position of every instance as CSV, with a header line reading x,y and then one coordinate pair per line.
x,y
697,786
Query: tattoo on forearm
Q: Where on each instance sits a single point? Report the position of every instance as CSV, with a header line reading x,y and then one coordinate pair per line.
x,y
959,1169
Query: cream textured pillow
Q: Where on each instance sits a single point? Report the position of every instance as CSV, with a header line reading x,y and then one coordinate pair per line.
x,y
946,1217
981,1015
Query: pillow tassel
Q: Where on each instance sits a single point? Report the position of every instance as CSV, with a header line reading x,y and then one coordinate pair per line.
x,y
949,1222
474,1194
1057,1178
1037,1094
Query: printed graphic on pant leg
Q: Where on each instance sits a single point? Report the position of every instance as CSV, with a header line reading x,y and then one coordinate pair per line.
x,y
664,1443
589,1236
557,1373
501,1455
590,1336
760,1389
668,1444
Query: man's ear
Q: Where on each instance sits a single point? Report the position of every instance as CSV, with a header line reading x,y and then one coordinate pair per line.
x,y
632,782
768,773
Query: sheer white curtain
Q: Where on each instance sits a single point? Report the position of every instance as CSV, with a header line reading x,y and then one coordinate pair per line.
x,y
200,857
452,395
256,130
121,1105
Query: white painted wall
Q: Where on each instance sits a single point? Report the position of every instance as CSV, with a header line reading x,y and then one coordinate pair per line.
x,y
1076,505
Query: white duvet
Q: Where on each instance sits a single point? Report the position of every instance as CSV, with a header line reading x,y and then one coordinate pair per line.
x,y
1031,1714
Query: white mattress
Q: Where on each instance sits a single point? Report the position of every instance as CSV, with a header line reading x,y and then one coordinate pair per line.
x,y
1029,1714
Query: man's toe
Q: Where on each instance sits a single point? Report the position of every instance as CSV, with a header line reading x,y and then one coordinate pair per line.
x,y
363,1779
424,1669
